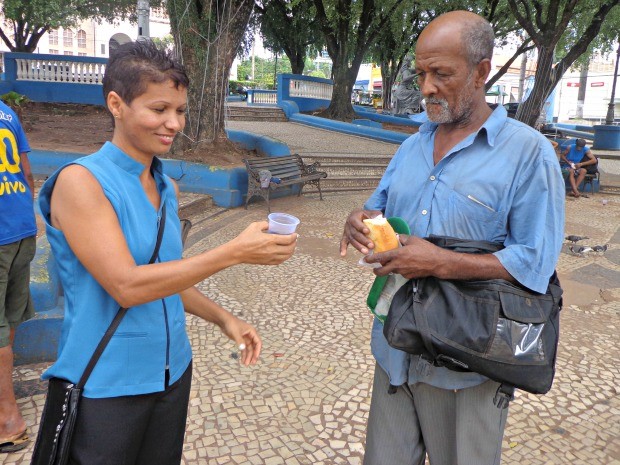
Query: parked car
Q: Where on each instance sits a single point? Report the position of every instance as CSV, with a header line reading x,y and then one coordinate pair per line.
x,y
511,108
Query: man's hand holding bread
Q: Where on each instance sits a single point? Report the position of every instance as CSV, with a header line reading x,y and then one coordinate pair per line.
x,y
417,258
356,232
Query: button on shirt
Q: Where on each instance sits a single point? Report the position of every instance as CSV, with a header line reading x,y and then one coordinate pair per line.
x,y
502,184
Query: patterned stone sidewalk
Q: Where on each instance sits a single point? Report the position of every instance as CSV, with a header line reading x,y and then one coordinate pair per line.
x,y
308,400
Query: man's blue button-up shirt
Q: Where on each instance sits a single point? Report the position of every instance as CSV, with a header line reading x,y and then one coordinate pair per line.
x,y
502,184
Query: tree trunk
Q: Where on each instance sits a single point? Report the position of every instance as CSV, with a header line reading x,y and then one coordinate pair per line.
x,y
581,94
386,95
340,107
297,63
207,42
388,74
529,111
522,70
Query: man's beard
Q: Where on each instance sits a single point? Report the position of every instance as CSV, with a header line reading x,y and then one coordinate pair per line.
x,y
442,113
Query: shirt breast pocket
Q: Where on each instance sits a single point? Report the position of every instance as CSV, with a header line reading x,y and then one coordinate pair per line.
x,y
469,217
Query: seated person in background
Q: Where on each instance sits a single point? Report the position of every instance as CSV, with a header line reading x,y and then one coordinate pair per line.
x,y
578,161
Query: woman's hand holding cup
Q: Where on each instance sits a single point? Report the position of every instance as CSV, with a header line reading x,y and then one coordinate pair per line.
x,y
256,246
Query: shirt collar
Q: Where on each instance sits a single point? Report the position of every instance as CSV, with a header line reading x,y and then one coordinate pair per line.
x,y
127,163
491,126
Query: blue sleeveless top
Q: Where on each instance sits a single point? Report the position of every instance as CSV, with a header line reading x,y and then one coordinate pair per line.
x,y
152,336
17,219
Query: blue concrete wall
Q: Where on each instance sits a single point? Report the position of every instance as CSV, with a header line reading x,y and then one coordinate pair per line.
x,y
5,87
381,118
58,92
348,128
303,103
367,122
292,106
264,145
228,187
606,137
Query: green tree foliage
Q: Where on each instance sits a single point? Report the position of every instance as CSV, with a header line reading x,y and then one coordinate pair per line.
x,y
290,27
349,28
26,21
164,42
401,32
264,69
561,29
317,68
394,42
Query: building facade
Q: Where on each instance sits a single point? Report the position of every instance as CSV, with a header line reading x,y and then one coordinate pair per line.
x,y
94,39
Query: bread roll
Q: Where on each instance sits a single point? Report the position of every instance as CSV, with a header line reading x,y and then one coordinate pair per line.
x,y
381,234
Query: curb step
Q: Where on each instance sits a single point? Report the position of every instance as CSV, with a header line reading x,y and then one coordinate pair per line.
x,y
245,113
347,159
281,119
326,190
349,181
349,172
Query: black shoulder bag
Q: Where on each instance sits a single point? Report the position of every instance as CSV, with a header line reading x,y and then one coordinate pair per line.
x,y
493,327
63,397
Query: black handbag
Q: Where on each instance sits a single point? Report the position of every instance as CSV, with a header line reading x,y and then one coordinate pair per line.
x,y
492,327
59,415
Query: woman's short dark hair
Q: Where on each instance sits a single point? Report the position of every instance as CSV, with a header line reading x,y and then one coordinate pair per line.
x,y
134,65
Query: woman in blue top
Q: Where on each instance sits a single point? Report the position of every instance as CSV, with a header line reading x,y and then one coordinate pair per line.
x,y
102,214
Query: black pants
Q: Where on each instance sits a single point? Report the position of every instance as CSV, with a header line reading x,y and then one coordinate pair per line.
x,y
133,430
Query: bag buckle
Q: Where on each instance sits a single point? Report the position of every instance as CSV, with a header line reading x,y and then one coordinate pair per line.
x,y
503,396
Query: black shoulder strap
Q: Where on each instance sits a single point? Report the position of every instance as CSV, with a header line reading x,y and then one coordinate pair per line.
x,y
121,311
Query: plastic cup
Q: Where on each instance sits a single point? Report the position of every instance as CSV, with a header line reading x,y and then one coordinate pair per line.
x,y
282,223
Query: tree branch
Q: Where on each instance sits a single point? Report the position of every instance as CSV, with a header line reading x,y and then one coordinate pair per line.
x,y
584,41
330,39
525,22
35,36
524,47
538,8
567,15
382,22
489,12
7,41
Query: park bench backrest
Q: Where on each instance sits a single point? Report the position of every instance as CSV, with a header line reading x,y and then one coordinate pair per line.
x,y
280,167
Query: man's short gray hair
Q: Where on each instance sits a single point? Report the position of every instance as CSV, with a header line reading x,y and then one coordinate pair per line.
x,y
478,39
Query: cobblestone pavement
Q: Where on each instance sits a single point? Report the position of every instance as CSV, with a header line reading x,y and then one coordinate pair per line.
x,y
308,400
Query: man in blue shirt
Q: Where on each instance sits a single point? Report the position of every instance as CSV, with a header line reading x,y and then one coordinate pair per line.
x,y
18,231
471,173
577,160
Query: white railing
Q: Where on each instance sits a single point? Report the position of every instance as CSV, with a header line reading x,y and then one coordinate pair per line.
x,y
268,97
44,70
310,89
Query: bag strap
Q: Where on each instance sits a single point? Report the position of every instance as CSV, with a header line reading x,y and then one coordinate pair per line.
x,y
121,311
